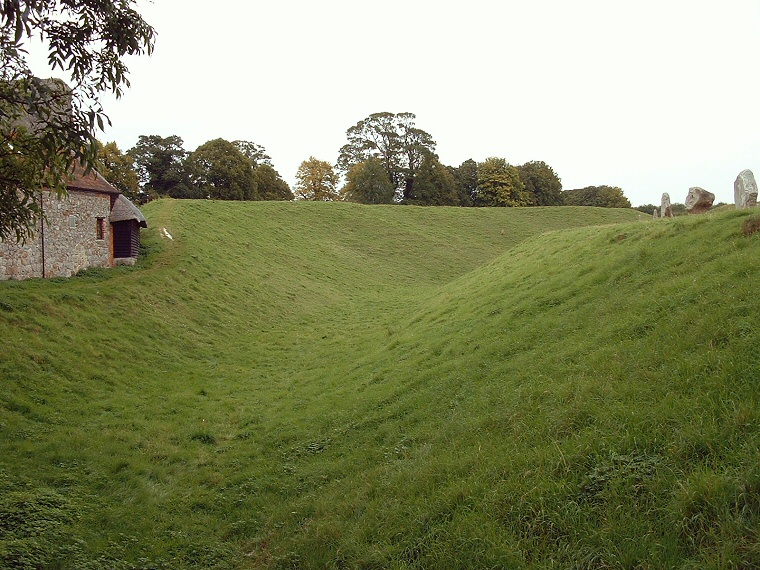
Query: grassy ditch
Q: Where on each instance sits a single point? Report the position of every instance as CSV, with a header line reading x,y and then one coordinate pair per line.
x,y
331,385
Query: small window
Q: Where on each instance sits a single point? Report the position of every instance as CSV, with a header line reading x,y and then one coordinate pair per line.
x,y
72,221
100,229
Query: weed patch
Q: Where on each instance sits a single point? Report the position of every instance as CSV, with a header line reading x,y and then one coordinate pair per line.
x,y
751,225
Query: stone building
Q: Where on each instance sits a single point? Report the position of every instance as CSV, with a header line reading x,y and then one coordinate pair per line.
x,y
94,226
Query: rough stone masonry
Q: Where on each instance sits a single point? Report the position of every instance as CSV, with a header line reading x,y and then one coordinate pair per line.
x,y
73,239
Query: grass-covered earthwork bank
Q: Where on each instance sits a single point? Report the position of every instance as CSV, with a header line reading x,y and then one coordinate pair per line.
x,y
303,385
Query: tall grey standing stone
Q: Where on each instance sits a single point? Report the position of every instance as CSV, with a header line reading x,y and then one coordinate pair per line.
x,y
745,190
665,209
699,200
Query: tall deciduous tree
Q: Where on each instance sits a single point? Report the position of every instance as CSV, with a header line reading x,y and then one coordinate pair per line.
x,y
368,183
161,166
466,176
541,183
394,140
270,185
499,184
45,127
119,169
434,185
223,172
316,180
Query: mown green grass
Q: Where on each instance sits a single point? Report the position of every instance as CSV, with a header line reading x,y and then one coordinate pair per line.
x,y
331,385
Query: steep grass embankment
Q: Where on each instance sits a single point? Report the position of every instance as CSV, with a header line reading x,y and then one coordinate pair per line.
x,y
310,385
592,405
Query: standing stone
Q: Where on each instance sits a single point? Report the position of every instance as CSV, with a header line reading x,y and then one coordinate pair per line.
x,y
665,209
655,214
699,200
745,190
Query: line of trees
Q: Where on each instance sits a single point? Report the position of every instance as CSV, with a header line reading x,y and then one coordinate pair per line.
x,y
387,160
159,166
600,196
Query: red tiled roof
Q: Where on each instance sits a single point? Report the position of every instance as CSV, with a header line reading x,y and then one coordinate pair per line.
x,y
93,181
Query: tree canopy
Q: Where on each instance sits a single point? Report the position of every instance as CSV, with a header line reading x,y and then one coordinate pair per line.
x,y
238,170
541,183
316,180
368,183
393,139
118,168
407,154
270,185
499,184
434,185
45,126
223,172
466,177
599,196
256,153
647,208
161,166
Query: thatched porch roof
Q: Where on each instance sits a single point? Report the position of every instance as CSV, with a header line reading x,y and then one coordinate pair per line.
x,y
123,210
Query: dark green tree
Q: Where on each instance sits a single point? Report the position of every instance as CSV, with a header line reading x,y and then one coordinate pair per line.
x,y
223,172
368,183
417,146
541,183
466,176
597,196
119,169
647,208
316,180
161,165
394,140
499,184
270,185
434,185
46,127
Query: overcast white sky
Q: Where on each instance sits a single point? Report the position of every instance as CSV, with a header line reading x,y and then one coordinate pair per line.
x,y
650,95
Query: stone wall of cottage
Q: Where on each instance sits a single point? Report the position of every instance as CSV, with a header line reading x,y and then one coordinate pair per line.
x,y
70,238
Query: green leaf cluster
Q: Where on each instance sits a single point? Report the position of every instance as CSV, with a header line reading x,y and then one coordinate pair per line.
x,y
407,155
599,196
541,183
219,169
316,181
223,172
499,184
161,164
394,140
270,184
119,169
367,182
434,185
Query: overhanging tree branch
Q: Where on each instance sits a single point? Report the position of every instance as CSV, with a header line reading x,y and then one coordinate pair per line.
x,y
45,126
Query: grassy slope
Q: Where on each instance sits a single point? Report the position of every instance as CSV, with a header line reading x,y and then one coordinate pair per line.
x,y
316,385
